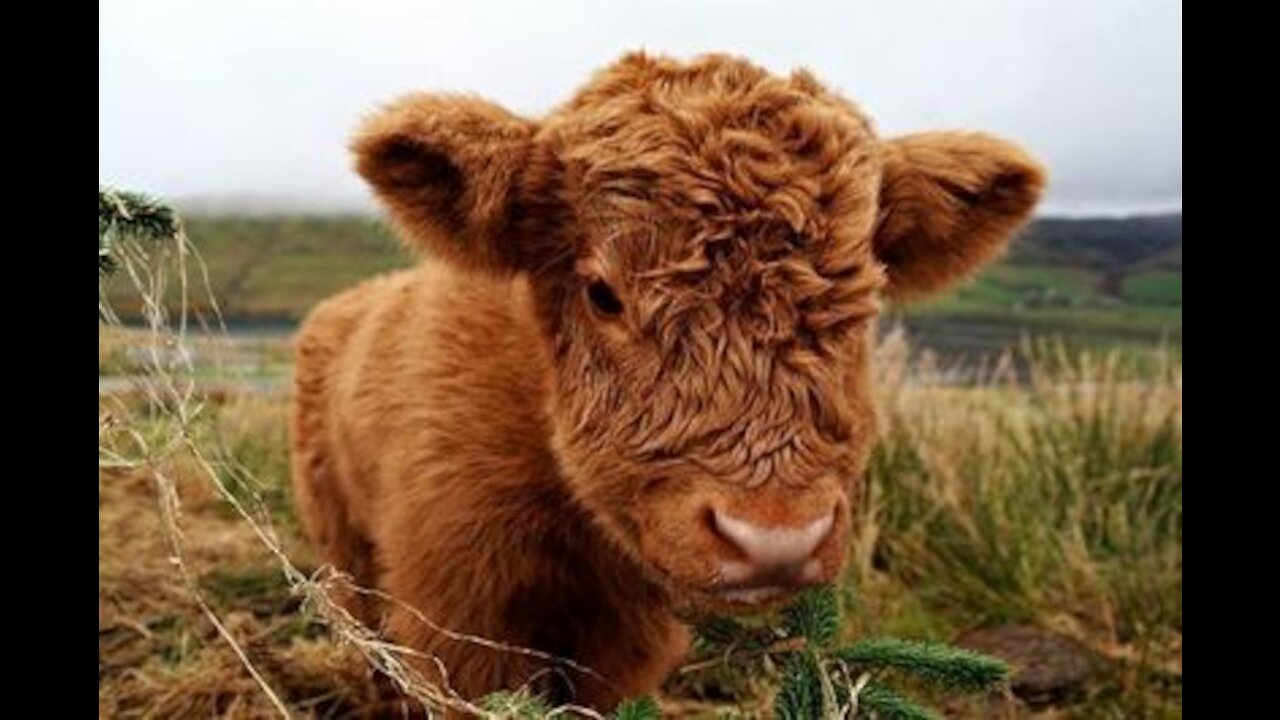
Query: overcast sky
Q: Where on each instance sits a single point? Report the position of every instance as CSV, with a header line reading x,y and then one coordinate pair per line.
x,y
257,97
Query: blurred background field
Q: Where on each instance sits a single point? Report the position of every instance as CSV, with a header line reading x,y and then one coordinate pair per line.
x,y
1095,281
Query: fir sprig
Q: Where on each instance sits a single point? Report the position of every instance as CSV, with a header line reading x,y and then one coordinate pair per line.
x,y
801,695
821,680
131,214
815,616
885,703
951,668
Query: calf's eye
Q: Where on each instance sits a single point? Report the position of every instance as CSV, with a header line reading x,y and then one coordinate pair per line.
x,y
604,298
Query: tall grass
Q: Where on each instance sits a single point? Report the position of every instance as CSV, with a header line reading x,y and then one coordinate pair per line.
x,y
1047,492
1055,500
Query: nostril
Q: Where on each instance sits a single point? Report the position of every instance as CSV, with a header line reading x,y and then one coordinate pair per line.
x,y
773,546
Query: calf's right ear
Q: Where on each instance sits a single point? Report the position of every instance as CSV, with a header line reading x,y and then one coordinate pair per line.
x,y
446,168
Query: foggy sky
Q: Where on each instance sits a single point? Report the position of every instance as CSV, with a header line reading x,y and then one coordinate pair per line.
x,y
246,98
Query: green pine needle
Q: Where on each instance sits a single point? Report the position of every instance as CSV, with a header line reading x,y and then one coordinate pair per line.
x,y
719,632
800,697
133,214
815,616
884,703
639,708
952,668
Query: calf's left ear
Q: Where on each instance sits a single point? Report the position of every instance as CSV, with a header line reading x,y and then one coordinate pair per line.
x,y
447,168
949,203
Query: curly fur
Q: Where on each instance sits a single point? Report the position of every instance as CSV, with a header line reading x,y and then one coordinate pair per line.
x,y
479,440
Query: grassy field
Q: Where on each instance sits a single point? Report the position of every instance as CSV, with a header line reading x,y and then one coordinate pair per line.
x,y
1051,506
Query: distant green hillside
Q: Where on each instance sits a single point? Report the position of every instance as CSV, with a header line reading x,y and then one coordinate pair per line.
x,y
1093,278
1099,243
275,269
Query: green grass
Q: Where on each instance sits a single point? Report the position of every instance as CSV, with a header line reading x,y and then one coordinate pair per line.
x,y
1124,322
1029,286
1154,287
1058,503
1062,301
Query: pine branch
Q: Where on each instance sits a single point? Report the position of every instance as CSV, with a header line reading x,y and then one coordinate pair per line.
x,y
801,696
884,703
954,669
820,681
815,616
719,632
135,215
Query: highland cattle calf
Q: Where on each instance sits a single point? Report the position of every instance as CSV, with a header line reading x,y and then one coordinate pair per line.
x,y
629,380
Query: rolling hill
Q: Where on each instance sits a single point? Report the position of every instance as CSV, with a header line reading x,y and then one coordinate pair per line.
x,y
1097,280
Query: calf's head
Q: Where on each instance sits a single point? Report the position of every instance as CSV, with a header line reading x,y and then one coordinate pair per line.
x,y
706,245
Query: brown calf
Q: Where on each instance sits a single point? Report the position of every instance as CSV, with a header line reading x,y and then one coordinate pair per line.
x,y
630,378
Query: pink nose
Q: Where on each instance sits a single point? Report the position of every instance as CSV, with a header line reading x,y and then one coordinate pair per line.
x,y
773,554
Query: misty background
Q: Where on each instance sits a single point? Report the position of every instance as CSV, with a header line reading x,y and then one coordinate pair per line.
x,y
249,104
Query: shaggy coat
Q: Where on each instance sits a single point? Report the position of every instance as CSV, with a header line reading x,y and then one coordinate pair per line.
x,y
629,380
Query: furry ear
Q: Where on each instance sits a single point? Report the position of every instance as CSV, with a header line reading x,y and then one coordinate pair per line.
x,y
446,168
949,203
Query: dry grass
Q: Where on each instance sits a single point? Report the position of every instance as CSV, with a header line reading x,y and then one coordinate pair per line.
x,y
167,432
160,656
